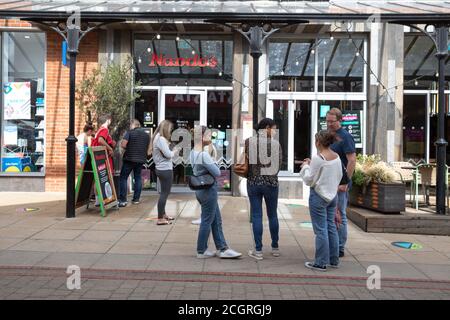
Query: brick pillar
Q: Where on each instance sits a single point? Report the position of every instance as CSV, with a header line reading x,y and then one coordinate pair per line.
x,y
57,104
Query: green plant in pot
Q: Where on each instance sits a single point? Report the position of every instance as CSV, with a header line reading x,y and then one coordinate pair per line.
x,y
109,90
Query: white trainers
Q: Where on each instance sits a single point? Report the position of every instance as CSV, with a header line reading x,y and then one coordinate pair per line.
x,y
205,255
198,221
229,254
275,252
258,255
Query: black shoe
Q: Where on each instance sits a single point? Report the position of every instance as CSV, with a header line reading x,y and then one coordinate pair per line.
x,y
341,254
123,204
313,266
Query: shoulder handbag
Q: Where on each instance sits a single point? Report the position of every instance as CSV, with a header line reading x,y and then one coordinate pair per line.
x,y
204,181
241,168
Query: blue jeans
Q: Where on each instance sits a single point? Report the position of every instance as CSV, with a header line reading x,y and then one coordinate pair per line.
x,y
211,220
255,195
327,239
127,167
342,231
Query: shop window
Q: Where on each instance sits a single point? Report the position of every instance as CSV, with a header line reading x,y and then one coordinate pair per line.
x,y
23,102
414,127
183,61
291,66
341,65
420,65
220,113
302,132
352,118
281,117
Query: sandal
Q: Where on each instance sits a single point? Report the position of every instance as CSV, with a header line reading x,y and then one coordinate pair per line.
x,y
163,222
168,218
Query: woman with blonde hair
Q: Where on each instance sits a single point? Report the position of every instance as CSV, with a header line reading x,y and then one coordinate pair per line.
x,y
162,157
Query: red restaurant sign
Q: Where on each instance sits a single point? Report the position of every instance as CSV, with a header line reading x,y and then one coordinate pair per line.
x,y
195,61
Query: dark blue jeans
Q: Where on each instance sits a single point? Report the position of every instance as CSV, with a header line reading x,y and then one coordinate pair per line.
x,y
270,195
127,167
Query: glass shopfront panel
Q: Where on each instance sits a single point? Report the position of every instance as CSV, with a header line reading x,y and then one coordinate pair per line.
x,y
341,65
420,65
23,102
219,110
352,118
291,66
183,61
414,127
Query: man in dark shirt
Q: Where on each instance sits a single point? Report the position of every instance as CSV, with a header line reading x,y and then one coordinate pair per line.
x,y
345,148
135,142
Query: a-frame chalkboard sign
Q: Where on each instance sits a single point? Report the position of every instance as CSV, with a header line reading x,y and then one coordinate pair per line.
x,y
96,170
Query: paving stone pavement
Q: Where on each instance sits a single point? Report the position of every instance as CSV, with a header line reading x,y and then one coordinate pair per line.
x,y
37,283
125,255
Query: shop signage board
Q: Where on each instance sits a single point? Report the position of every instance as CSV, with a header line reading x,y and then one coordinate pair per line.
x,y
194,61
96,171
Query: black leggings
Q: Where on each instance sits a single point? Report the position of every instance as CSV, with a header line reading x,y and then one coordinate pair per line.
x,y
165,179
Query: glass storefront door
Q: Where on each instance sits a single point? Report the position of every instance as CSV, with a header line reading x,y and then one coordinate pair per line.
x,y
185,108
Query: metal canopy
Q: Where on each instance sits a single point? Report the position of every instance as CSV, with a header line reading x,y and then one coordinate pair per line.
x,y
400,10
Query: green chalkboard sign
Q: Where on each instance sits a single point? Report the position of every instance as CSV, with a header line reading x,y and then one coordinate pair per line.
x,y
96,171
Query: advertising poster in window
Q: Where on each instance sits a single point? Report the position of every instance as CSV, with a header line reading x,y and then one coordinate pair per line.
x,y
351,121
17,100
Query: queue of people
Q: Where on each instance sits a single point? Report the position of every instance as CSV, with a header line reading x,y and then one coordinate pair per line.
x,y
328,174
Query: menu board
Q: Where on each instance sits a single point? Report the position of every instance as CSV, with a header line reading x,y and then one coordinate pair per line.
x,y
105,178
96,169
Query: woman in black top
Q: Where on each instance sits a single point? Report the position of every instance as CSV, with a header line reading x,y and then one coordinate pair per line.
x,y
264,154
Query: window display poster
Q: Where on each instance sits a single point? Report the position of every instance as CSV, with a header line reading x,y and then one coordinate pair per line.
x,y
17,100
352,123
10,135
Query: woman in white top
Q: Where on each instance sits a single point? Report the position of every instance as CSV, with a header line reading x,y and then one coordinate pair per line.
x,y
323,174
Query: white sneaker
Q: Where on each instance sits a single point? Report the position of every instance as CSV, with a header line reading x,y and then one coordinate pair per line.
x,y
258,255
198,221
205,255
229,254
275,252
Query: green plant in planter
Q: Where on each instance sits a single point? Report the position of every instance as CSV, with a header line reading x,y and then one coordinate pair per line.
x,y
370,168
109,90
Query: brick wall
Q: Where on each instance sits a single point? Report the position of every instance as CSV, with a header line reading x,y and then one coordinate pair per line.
x,y
57,104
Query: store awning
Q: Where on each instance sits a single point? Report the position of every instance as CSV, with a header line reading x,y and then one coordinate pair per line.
x,y
281,11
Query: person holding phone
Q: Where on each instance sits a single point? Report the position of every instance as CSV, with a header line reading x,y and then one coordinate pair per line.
x,y
323,174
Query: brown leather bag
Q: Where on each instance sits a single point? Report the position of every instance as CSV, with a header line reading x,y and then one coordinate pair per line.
x,y
241,168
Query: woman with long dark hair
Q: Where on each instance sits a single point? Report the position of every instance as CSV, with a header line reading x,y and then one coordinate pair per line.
x,y
262,182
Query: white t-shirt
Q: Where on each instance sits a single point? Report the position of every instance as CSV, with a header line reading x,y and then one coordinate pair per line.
x,y
323,175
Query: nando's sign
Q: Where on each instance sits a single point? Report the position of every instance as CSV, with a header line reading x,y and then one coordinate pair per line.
x,y
195,61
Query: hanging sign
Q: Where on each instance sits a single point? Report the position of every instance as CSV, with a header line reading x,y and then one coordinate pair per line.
x,y
96,170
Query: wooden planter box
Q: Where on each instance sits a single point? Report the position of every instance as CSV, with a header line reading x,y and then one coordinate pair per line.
x,y
382,197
